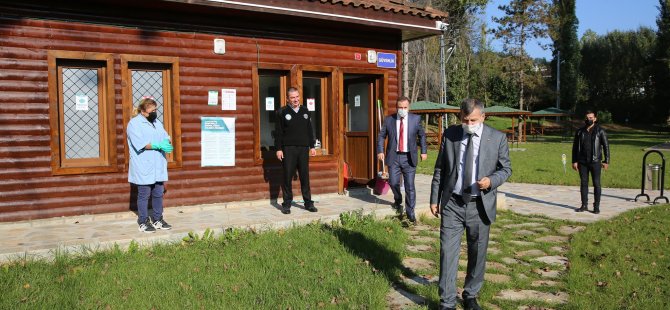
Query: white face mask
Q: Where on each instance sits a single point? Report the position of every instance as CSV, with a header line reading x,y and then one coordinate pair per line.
x,y
402,112
471,128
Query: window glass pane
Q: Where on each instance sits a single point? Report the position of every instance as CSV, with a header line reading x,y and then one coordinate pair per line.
x,y
358,109
149,84
311,88
80,122
269,90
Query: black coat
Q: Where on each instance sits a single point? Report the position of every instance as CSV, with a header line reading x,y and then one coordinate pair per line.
x,y
598,140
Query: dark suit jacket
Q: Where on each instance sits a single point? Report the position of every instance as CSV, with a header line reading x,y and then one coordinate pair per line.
x,y
414,130
494,163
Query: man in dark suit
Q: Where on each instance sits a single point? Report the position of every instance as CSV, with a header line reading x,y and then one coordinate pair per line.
x,y
402,130
472,162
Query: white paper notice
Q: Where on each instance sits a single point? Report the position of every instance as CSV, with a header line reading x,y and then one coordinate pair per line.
x,y
213,97
269,103
311,106
357,100
81,103
228,99
217,144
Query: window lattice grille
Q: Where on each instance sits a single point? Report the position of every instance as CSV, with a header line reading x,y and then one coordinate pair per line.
x,y
81,127
150,84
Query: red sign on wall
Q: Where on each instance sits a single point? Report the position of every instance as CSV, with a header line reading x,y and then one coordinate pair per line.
x,y
357,56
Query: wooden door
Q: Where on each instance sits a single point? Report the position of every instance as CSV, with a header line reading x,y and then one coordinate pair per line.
x,y
359,131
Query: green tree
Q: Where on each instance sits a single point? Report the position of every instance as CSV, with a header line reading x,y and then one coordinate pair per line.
x,y
523,20
661,74
617,69
564,35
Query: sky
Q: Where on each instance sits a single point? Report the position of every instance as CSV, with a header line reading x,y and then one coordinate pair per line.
x,y
601,16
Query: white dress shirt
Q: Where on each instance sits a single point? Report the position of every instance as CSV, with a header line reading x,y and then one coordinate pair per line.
x,y
476,139
404,133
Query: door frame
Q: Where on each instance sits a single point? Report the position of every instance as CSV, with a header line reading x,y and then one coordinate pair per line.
x,y
380,78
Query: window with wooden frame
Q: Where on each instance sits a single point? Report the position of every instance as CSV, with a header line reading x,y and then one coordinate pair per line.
x,y
270,87
155,77
316,96
81,112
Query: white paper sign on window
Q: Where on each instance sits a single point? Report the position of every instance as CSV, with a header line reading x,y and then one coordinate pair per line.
x,y
269,103
213,97
357,100
81,103
228,99
311,105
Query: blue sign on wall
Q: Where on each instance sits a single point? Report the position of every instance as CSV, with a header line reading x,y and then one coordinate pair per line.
x,y
386,60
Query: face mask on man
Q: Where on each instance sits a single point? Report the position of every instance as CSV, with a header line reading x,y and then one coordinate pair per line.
x,y
402,112
470,129
588,122
152,116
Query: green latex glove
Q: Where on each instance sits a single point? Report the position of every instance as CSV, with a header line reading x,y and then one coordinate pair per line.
x,y
164,146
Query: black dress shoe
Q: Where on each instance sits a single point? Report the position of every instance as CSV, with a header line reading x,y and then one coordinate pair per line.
x,y
471,304
286,209
596,210
397,206
311,208
582,209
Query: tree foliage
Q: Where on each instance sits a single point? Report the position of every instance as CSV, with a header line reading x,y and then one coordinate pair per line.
x,y
563,31
661,73
617,70
523,20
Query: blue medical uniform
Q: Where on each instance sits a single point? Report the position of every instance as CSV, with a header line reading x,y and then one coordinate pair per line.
x,y
148,168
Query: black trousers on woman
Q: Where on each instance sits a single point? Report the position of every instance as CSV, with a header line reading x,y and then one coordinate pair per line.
x,y
584,170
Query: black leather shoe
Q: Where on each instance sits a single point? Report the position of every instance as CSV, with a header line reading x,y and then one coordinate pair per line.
x,y
397,206
311,208
411,218
286,209
582,209
447,308
596,209
471,304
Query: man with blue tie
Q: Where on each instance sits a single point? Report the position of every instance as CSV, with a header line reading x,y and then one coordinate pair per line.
x,y
402,130
472,162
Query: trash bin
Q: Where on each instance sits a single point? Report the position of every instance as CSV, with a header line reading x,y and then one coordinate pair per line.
x,y
653,177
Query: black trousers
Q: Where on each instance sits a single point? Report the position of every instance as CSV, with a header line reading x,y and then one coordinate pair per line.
x,y
296,157
584,170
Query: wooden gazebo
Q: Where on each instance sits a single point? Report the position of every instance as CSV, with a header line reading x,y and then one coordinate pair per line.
x,y
428,108
498,110
548,112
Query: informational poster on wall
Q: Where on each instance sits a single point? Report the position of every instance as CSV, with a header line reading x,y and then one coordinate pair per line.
x,y
217,144
213,97
228,99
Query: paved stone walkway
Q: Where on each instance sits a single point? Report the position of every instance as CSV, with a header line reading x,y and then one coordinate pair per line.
x,y
43,238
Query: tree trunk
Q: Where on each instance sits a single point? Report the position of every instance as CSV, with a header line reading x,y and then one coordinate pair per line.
x,y
405,69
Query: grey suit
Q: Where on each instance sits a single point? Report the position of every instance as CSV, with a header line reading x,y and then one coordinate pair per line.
x,y
402,164
473,216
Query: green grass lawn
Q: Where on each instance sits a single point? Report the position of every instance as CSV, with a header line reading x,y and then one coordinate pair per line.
x,y
623,263
349,266
540,162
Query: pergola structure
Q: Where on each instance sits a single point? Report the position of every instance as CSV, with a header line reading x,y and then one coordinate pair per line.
x,y
428,108
498,110
548,112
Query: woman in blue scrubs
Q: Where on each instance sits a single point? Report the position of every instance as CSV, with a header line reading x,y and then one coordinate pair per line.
x,y
148,143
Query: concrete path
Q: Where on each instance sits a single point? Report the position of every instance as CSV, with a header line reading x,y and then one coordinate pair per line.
x,y
44,238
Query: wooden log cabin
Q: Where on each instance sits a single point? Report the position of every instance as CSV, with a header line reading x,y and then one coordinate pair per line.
x,y
71,71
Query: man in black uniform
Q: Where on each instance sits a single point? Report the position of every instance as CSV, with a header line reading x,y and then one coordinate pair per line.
x,y
590,152
294,140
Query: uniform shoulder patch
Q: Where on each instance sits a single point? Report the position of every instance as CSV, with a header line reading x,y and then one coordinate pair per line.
x,y
287,117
